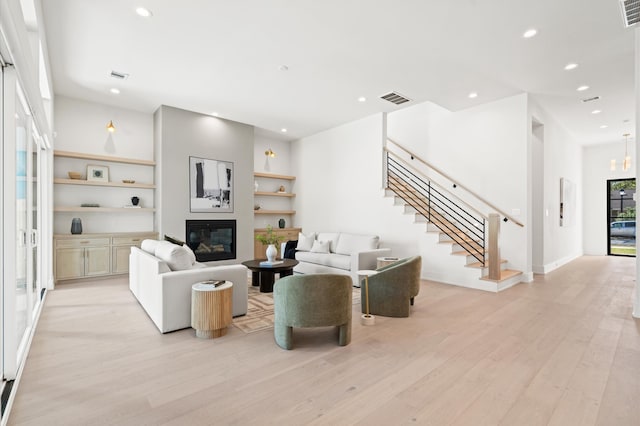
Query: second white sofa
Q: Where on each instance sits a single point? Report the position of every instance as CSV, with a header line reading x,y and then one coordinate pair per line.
x,y
337,253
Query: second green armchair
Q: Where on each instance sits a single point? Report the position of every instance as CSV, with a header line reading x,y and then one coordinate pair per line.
x,y
392,289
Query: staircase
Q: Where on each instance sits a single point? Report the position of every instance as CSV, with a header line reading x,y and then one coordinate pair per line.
x,y
472,235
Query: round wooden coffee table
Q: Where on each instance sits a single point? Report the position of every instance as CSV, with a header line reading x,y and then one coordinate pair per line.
x,y
264,275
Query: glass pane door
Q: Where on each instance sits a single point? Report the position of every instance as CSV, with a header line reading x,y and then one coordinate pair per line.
x,y
22,128
33,198
621,218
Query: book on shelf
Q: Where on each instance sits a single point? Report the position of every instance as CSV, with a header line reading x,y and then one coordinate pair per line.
x,y
274,263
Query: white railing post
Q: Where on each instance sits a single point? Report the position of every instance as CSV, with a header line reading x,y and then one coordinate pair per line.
x,y
493,249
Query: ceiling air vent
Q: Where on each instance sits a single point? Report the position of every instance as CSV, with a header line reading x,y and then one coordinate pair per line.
x,y
396,98
595,98
119,75
630,12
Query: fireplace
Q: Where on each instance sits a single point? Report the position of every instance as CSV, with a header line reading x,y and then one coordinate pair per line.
x,y
212,239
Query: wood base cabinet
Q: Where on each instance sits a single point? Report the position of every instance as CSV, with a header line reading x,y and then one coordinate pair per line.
x,y
92,255
288,234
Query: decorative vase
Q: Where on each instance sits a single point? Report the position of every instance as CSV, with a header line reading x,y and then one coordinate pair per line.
x,y
255,185
271,253
76,225
281,223
135,200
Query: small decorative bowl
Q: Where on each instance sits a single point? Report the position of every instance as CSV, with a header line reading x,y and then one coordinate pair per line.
x,y
74,175
128,181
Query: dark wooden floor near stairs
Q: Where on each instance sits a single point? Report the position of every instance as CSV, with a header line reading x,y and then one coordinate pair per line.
x,y
562,350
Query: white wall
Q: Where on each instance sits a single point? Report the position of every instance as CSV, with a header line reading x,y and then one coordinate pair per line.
x,y
338,180
339,187
180,134
596,172
80,126
280,164
562,159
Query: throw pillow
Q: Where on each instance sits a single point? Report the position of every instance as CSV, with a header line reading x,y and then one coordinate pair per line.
x,y
305,242
332,237
173,240
320,247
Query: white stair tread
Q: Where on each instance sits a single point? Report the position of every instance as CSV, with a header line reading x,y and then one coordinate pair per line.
x,y
505,274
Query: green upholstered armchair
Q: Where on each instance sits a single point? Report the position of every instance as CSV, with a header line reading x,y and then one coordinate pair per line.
x,y
393,288
314,300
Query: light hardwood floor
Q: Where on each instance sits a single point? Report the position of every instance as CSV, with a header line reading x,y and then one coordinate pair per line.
x,y
563,350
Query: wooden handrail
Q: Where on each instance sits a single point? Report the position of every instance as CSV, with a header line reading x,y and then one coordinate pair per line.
x,y
441,173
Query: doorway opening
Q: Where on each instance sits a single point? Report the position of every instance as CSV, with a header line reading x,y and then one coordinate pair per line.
x,y
621,217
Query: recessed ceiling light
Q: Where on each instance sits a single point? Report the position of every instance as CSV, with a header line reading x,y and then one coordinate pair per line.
x,y
570,66
530,33
362,99
144,12
582,88
604,126
114,90
596,111
283,130
215,114
473,95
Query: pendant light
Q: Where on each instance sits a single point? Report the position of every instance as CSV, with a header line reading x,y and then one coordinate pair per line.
x,y
626,162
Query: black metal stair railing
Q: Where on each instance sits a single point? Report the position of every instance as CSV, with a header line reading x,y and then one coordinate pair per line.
x,y
443,210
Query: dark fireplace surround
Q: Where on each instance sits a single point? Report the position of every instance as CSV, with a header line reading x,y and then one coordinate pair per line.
x,y
212,240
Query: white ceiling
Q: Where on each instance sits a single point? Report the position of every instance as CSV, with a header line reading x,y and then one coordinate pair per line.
x,y
225,56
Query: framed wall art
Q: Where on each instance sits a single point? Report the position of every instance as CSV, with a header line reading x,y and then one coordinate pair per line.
x,y
210,185
567,202
98,173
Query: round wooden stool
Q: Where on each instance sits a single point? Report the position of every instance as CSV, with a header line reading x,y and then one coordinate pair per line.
x,y
211,308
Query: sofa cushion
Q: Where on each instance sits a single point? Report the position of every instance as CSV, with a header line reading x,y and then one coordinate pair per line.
x,y
329,236
327,259
305,242
176,257
149,246
320,246
352,243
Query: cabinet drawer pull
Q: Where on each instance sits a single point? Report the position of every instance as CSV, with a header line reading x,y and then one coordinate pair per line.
x,y
135,240
84,242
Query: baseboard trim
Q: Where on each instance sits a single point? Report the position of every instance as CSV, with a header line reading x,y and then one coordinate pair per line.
x,y
552,266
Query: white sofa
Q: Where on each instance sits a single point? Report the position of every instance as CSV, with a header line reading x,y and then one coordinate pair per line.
x,y
165,294
337,253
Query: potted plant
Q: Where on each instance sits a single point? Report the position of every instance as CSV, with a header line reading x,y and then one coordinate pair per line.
x,y
270,239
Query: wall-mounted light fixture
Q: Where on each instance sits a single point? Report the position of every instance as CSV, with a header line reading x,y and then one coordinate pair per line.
x,y
110,127
270,153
